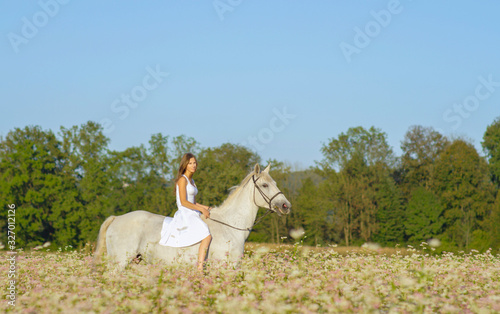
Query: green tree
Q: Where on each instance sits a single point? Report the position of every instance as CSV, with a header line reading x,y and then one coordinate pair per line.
x,y
291,183
161,199
340,194
369,145
220,169
421,147
159,156
29,165
490,232
85,149
140,180
389,208
317,215
424,216
491,145
358,165
181,145
65,213
129,176
462,182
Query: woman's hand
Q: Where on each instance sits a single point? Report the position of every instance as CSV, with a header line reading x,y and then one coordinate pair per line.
x,y
206,213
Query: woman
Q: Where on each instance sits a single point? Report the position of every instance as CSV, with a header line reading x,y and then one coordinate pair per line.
x,y
187,227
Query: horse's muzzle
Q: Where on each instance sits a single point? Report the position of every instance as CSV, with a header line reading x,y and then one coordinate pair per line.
x,y
283,209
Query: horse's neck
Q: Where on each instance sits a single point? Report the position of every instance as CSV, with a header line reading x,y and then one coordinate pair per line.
x,y
240,210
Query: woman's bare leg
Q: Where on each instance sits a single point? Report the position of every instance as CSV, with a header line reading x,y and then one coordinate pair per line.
x,y
202,253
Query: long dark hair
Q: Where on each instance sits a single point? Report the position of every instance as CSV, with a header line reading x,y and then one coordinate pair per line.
x,y
183,165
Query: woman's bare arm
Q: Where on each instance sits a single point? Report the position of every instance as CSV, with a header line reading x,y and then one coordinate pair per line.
x,y
184,202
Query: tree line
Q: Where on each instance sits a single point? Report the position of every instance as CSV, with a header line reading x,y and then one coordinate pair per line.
x,y
65,185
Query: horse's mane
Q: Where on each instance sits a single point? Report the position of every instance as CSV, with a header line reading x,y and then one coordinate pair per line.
x,y
233,190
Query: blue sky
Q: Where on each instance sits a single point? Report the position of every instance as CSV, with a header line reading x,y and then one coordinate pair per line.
x,y
281,77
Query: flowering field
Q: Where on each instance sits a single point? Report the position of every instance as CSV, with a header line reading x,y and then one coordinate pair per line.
x,y
285,279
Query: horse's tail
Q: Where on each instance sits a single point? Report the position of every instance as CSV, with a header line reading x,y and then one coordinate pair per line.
x,y
101,240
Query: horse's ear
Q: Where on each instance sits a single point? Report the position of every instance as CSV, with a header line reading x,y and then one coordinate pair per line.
x,y
267,169
256,169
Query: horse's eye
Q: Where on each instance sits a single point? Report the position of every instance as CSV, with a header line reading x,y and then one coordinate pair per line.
x,y
265,185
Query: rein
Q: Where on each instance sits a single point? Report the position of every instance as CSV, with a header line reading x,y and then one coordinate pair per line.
x,y
264,196
243,229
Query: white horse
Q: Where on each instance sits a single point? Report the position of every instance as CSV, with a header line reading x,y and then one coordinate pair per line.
x,y
137,233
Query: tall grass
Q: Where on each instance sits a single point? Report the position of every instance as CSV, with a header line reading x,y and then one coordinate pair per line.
x,y
270,279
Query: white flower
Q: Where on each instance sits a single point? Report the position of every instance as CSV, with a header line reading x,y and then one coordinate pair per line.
x,y
297,234
434,242
371,246
407,281
262,250
46,244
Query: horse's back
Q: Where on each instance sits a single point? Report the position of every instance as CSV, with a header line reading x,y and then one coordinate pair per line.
x,y
131,232
141,215
139,221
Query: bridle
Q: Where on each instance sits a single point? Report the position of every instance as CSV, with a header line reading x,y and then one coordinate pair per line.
x,y
264,196
266,199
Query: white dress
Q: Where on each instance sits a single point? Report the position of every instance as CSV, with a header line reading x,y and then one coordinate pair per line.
x,y
186,228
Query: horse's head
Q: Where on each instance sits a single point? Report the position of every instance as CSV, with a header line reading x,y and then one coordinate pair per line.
x,y
267,194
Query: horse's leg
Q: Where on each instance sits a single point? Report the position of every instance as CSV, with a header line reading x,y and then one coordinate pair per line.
x,y
118,255
124,259
122,247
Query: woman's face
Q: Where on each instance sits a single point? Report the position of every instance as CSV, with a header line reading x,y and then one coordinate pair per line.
x,y
192,165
